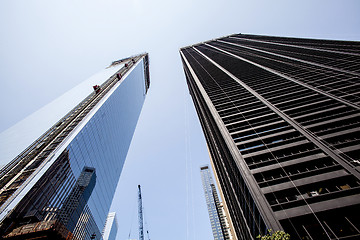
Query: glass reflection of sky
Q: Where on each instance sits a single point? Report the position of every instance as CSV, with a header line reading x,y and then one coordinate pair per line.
x,y
16,138
104,141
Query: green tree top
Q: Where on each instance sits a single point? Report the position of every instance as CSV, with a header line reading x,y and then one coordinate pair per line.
x,y
277,235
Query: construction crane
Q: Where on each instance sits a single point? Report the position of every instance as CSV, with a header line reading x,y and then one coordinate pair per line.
x,y
141,225
141,222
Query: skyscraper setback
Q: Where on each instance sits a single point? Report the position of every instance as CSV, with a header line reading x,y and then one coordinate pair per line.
x,y
281,117
62,185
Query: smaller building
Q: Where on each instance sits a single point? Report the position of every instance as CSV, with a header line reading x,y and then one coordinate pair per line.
x,y
111,227
219,224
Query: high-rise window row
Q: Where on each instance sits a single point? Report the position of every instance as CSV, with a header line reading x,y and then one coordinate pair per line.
x,y
62,185
281,117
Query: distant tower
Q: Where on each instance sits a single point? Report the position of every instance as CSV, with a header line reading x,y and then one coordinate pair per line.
x,y
111,227
217,218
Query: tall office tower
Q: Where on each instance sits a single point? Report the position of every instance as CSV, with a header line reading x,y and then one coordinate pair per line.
x,y
217,218
61,186
282,123
111,227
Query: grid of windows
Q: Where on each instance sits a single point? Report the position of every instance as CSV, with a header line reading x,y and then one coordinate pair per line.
x,y
282,120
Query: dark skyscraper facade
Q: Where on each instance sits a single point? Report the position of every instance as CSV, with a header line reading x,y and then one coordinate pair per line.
x,y
62,185
281,117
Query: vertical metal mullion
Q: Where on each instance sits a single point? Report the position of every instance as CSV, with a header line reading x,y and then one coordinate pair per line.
x,y
312,137
266,212
294,59
288,78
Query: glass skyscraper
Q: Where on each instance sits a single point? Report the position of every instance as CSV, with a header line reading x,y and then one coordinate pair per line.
x,y
62,185
216,215
281,117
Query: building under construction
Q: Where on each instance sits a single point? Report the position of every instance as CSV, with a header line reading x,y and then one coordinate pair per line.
x,y
61,186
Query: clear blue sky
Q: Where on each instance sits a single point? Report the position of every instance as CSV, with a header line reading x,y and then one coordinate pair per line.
x,y
48,47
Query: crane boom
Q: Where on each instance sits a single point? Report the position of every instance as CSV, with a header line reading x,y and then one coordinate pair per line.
x,y
141,225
